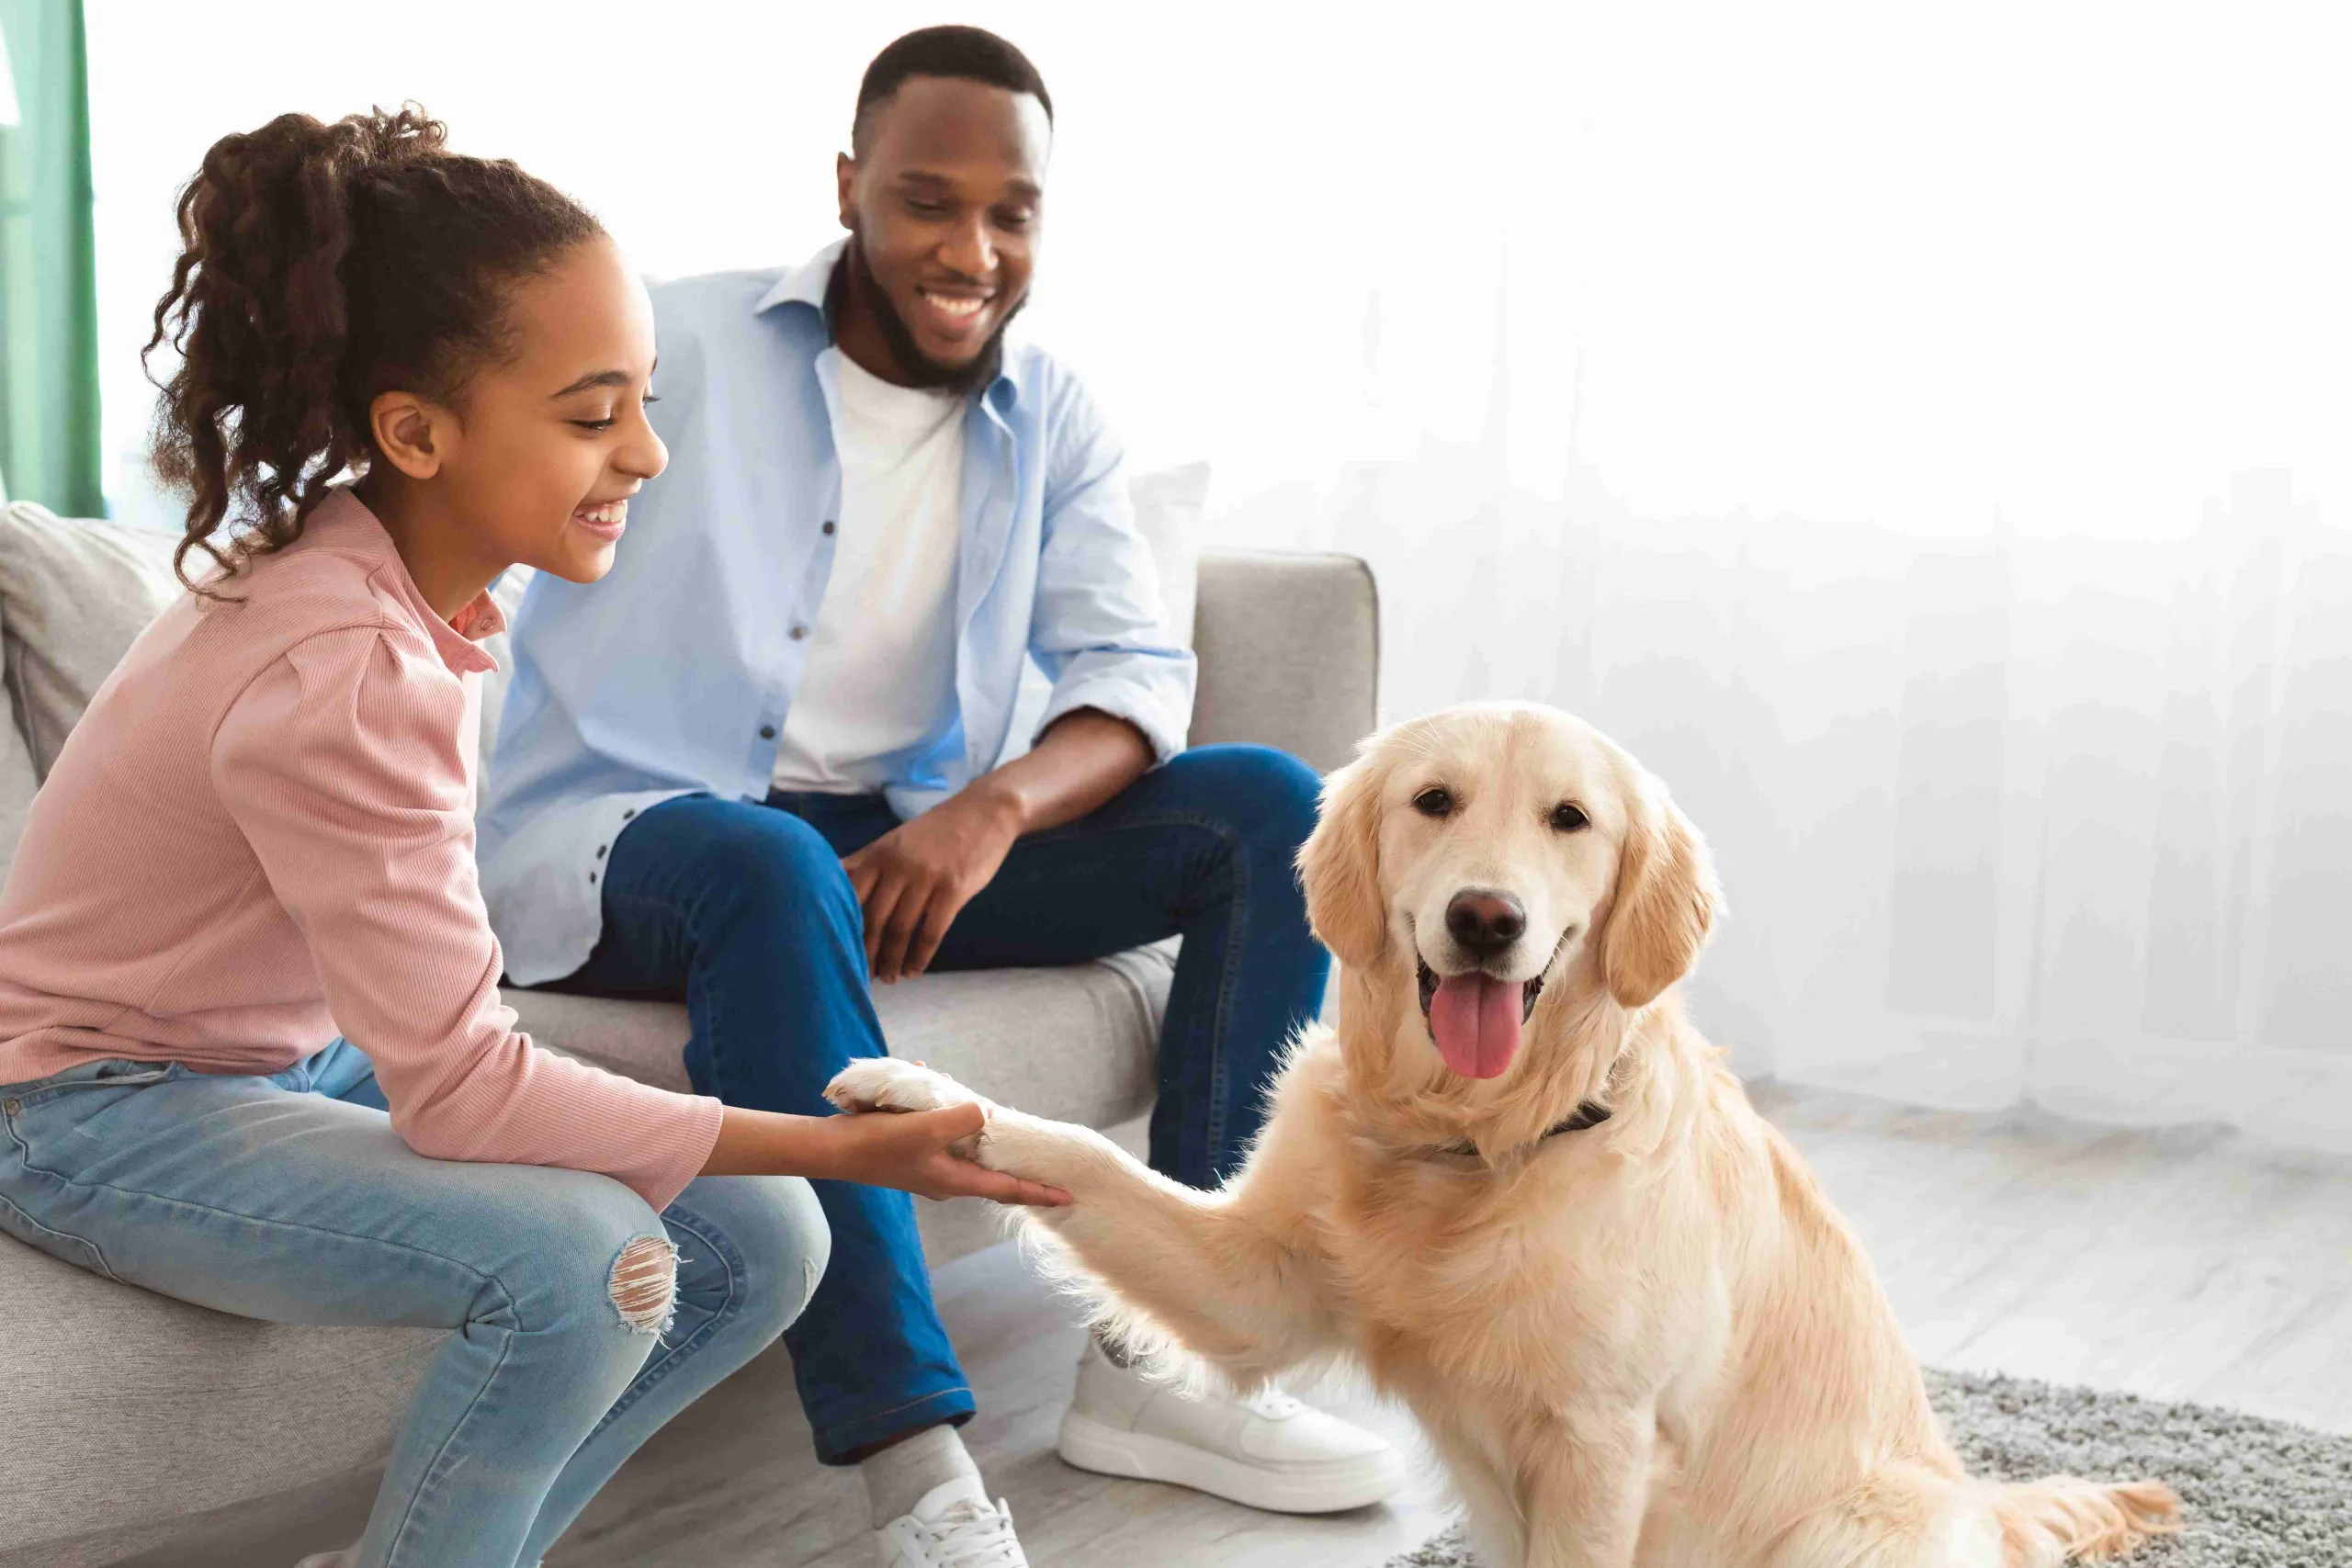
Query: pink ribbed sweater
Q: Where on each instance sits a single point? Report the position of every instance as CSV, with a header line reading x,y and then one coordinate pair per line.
x,y
261,835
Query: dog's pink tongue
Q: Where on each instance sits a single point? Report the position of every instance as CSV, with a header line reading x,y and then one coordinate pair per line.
x,y
1476,1022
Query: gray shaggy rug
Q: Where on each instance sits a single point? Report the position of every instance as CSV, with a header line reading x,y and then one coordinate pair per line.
x,y
2256,1494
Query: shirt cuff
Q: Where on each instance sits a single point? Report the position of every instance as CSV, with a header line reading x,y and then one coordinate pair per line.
x,y
1163,718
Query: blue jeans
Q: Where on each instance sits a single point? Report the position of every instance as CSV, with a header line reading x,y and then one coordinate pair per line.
x,y
290,1197
743,908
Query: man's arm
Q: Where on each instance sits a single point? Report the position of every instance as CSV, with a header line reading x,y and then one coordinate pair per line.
x,y
1122,699
915,880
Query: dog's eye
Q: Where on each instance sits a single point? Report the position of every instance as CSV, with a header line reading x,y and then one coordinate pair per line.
x,y
1567,818
1434,801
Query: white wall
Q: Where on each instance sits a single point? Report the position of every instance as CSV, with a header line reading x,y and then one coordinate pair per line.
x,y
1919,432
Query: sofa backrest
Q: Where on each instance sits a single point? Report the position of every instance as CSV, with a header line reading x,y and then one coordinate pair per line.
x,y
75,592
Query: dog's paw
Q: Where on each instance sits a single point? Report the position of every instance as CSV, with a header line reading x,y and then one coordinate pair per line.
x,y
883,1083
1056,1153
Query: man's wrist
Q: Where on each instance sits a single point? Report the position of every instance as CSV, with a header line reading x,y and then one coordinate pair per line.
x,y
999,805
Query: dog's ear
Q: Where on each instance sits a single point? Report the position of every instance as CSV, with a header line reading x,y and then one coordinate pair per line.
x,y
1340,866
1665,902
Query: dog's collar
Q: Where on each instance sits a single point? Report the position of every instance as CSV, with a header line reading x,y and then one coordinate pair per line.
x,y
1591,1113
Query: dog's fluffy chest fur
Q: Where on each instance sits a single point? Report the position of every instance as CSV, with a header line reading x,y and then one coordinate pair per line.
x,y
1514,1277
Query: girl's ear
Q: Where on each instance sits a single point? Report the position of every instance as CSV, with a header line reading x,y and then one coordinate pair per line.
x,y
1339,866
1666,901
409,432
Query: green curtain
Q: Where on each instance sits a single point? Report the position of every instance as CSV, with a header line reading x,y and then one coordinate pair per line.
x,y
48,309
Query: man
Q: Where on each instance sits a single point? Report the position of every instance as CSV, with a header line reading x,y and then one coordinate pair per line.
x,y
756,766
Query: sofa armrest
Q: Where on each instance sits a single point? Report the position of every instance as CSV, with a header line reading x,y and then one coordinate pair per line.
x,y
1289,648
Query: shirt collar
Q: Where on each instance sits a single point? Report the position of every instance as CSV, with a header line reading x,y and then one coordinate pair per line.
x,y
806,285
456,640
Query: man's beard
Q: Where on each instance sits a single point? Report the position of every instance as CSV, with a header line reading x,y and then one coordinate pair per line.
x,y
920,369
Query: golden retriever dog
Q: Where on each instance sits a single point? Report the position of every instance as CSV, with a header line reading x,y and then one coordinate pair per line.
x,y
1518,1189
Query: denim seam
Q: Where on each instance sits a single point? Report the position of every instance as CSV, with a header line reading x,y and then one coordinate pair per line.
x,y
856,1421
305,1227
1220,1015
435,1471
84,1242
49,1091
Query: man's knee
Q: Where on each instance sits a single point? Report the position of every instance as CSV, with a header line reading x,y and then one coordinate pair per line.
x,y
783,857
753,858
1265,791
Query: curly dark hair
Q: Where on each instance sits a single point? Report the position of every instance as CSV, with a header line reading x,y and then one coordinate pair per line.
x,y
322,265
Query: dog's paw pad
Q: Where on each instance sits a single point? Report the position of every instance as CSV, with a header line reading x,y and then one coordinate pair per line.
x,y
881,1083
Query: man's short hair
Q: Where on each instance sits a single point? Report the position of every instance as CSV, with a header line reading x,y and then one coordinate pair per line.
x,y
961,54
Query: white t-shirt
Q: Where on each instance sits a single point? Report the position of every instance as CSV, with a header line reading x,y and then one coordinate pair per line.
x,y
881,671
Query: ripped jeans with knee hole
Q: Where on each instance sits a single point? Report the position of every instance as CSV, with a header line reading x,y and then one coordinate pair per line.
x,y
581,1320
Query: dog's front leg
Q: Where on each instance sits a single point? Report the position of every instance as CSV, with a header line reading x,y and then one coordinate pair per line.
x,y
1587,1486
1208,1269
1211,1271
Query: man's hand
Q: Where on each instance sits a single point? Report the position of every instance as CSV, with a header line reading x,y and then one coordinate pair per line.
x,y
915,880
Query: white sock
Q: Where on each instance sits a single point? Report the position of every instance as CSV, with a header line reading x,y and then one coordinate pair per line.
x,y
897,1477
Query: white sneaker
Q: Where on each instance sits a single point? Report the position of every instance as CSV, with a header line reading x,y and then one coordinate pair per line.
x,y
1265,1452
955,1526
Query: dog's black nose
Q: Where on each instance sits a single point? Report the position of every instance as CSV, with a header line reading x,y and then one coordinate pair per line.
x,y
1486,923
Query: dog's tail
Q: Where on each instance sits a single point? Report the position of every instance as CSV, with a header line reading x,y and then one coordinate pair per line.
x,y
2061,1519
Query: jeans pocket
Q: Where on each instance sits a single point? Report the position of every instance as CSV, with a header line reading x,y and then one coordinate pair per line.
x,y
116,1072
64,1248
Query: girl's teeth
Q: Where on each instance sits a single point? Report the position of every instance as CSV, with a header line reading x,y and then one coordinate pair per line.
x,y
956,306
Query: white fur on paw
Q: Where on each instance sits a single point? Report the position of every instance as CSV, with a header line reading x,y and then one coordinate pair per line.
x,y
1028,1147
882,1083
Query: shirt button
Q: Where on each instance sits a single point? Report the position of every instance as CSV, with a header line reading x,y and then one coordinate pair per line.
x,y
601,849
828,527
592,876
799,632
629,813
767,732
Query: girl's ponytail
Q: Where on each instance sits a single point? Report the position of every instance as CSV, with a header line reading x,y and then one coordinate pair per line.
x,y
320,266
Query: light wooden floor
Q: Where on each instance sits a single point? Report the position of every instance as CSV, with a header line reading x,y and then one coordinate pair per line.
x,y
2190,1265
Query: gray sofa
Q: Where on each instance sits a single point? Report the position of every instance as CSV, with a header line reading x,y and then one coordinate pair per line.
x,y
124,1415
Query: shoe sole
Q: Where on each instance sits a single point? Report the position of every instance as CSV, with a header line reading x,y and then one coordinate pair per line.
x,y
1107,1450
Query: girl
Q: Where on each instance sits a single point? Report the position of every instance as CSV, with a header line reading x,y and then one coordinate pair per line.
x,y
261,833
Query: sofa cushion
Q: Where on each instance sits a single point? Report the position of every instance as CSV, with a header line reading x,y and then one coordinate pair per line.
x,y
1076,1043
203,1408
74,593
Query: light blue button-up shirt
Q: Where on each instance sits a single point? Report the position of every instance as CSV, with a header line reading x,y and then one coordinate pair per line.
x,y
673,675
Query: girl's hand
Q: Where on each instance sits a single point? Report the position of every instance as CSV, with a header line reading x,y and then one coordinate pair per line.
x,y
908,1150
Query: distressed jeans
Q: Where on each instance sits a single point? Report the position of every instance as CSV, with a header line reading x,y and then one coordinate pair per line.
x,y
289,1198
